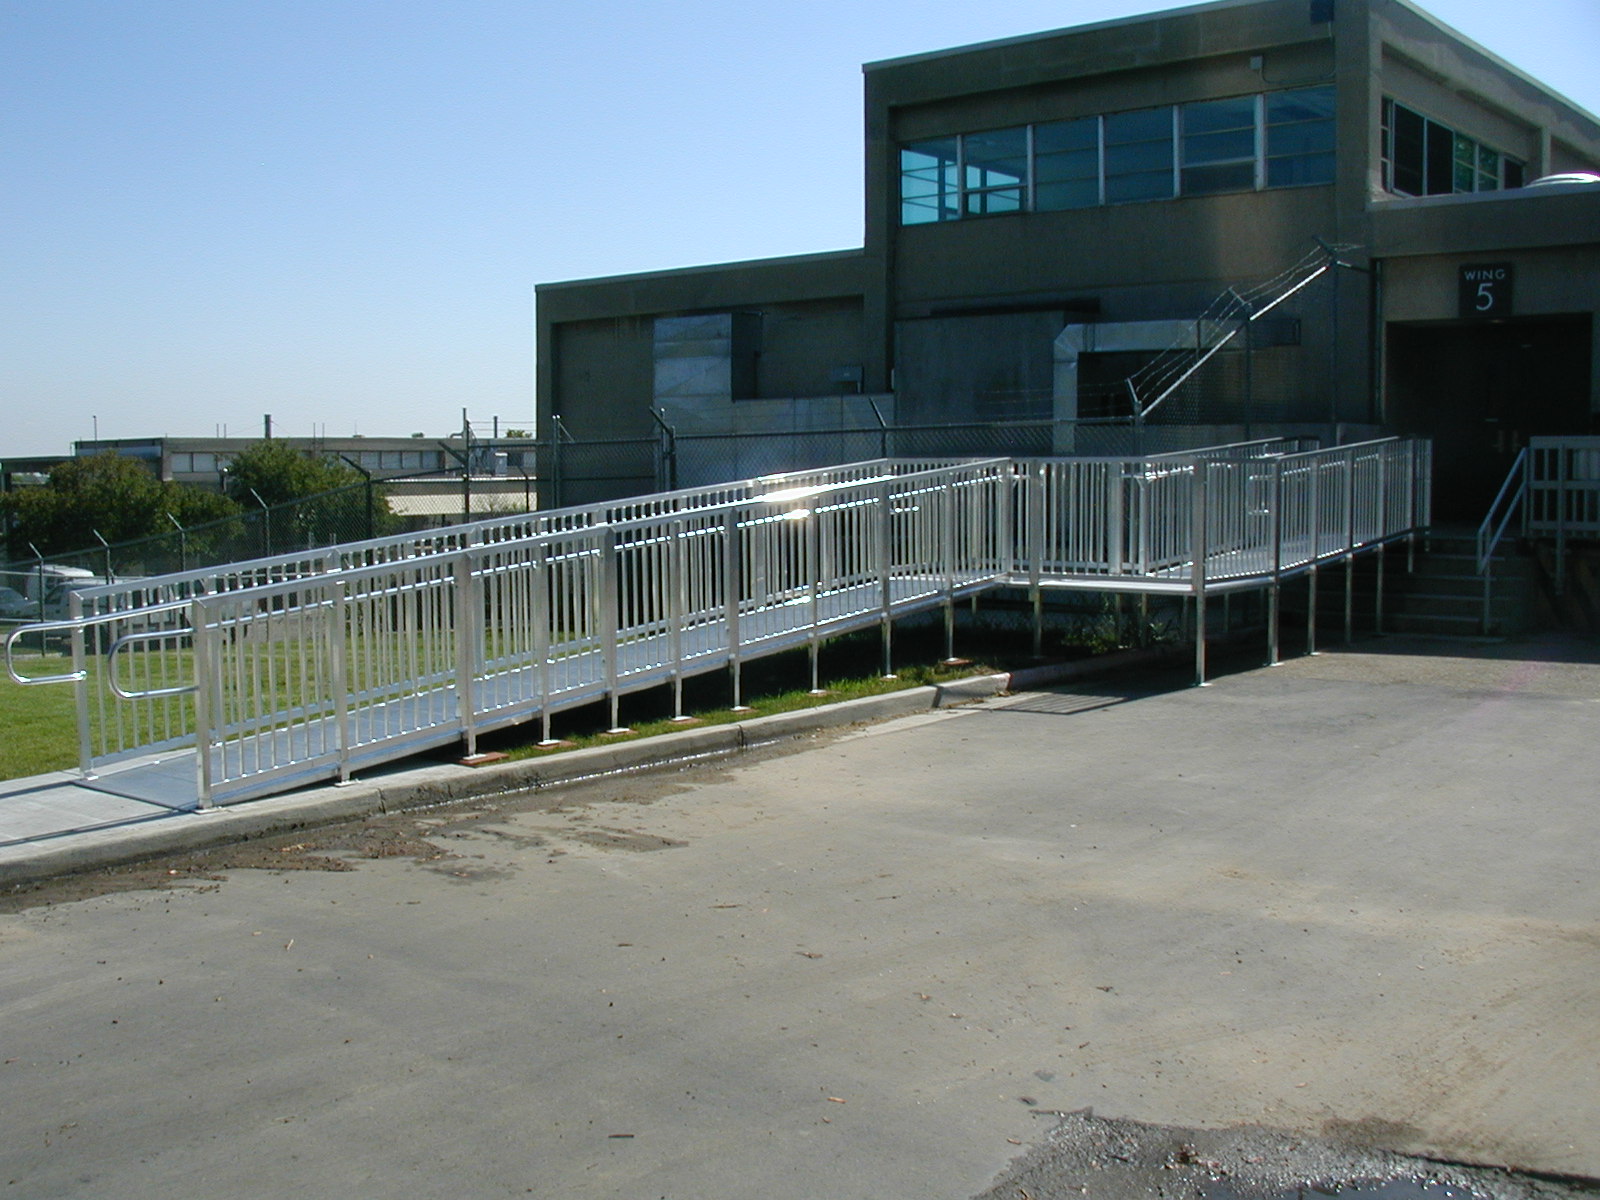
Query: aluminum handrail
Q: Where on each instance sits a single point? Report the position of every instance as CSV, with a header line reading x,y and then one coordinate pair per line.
x,y
41,627
301,676
74,625
1512,494
113,679
319,560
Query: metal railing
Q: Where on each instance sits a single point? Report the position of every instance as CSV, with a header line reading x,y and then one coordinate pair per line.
x,y
1554,485
284,671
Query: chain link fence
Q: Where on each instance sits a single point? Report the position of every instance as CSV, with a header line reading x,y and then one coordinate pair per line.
x,y
368,509
345,515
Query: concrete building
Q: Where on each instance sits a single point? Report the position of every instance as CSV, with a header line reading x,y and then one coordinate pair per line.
x,y
201,461
1045,215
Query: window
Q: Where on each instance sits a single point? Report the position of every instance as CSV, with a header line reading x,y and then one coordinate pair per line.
x,y
197,463
929,182
1138,155
1422,157
995,167
1066,164
1234,144
1219,146
1299,137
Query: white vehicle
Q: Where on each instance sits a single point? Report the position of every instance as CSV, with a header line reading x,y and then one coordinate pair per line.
x,y
57,601
42,580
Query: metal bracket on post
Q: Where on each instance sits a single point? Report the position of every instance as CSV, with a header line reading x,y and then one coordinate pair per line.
x,y
1411,508
542,624
1007,548
80,688
678,607
1382,534
885,538
669,451
1274,594
338,638
1377,591
206,716
1349,546
733,587
883,429
813,547
466,606
947,551
1035,537
1198,574
1563,462
1314,521
1116,482
609,626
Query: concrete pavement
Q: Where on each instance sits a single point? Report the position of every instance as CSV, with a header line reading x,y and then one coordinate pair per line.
x,y
1352,895
52,824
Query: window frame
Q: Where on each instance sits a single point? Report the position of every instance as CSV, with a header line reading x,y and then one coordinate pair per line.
x,y
1169,168
1426,170
1269,157
1256,158
943,189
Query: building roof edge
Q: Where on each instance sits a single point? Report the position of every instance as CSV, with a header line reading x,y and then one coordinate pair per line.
x,y
1044,35
824,256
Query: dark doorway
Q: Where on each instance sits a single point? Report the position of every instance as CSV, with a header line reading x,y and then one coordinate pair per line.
x,y
1480,390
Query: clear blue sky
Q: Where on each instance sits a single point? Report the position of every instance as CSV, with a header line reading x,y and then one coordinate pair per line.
x,y
335,210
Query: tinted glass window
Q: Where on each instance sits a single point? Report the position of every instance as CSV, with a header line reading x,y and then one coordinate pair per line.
x,y
929,189
1299,127
996,170
1219,145
1066,164
1138,155
1407,151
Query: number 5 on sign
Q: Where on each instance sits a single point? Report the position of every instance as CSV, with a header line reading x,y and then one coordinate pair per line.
x,y
1485,290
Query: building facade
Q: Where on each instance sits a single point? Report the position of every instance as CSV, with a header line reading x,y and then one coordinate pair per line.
x,y
1047,215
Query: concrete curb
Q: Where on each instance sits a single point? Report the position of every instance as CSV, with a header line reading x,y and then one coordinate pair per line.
x,y
425,787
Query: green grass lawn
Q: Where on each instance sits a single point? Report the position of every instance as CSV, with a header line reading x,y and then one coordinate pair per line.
x,y
833,691
38,728
38,731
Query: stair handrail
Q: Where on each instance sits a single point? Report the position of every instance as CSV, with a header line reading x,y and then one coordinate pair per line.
x,y
1511,496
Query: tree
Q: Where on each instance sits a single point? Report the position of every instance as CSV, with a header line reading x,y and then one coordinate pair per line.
x,y
274,472
109,495
317,500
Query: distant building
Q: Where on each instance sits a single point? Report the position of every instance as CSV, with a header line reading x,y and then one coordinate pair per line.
x,y
1042,213
202,461
421,476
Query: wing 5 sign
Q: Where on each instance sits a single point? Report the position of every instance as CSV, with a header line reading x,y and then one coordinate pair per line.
x,y
1485,290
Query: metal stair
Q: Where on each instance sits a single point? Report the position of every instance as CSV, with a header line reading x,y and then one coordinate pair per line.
x,y
1443,595
1436,593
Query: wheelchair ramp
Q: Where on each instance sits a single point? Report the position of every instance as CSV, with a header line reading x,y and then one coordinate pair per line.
x,y
291,672
168,781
